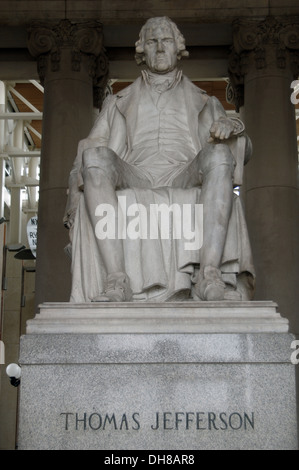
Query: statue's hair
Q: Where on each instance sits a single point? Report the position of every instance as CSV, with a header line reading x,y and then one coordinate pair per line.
x,y
179,38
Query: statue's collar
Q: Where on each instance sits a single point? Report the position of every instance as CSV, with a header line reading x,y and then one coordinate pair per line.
x,y
162,82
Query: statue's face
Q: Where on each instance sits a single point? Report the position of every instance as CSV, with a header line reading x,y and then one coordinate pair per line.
x,y
160,49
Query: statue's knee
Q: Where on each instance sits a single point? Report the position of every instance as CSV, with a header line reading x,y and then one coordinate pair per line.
x,y
93,161
218,156
221,154
90,159
99,163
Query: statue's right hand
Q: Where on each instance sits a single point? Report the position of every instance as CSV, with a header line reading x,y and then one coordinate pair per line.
x,y
69,219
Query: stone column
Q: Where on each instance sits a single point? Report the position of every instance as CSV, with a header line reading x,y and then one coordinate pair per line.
x,y
73,69
15,224
263,63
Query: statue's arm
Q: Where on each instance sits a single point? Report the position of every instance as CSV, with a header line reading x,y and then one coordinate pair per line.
x,y
98,136
74,189
223,127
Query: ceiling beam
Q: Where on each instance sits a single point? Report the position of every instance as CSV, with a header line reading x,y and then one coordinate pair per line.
x,y
13,12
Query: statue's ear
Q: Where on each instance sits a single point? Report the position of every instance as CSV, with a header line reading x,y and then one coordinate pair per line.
x,y
182,54
140,58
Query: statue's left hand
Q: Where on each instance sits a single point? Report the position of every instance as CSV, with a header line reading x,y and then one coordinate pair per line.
x,y
221,130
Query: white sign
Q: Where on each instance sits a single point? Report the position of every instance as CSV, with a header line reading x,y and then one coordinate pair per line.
x,y
2,353
32,234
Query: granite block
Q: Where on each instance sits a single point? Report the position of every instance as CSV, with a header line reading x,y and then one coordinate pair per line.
x,y
176,392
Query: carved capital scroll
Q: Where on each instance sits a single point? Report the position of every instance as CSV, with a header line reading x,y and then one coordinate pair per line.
x,y
83,40
271,43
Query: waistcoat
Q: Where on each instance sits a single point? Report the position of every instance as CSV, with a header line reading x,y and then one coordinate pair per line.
x,y
162,142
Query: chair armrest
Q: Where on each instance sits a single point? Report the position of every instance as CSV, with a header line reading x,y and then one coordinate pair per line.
x,y
241,148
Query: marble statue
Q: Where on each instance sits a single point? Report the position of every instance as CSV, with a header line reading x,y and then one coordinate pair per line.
x,y
161,140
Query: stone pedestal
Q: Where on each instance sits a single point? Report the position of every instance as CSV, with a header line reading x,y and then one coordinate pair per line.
x,y
190,375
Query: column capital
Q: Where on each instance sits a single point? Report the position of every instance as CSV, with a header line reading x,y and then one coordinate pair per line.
x,y
47,42
261,47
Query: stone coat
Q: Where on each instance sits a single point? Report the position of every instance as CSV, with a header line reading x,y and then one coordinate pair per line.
x,y
116,124
158,269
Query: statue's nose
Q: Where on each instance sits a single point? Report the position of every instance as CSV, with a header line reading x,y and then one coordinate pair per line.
x,y
160,46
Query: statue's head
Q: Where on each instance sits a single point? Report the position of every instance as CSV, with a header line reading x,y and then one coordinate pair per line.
x,y
160,45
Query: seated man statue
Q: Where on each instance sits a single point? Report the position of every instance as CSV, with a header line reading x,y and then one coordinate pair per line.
x,y
161,140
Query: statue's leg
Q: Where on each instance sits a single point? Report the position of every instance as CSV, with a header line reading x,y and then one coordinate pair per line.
x,y
216,165
101,175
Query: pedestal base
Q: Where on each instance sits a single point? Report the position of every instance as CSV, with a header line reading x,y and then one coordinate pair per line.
x,y
154,390
156,317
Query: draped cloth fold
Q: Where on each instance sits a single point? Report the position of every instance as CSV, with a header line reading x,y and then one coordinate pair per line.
x,y
159,269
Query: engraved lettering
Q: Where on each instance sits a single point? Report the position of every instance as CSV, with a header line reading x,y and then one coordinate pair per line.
x,y
162,420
